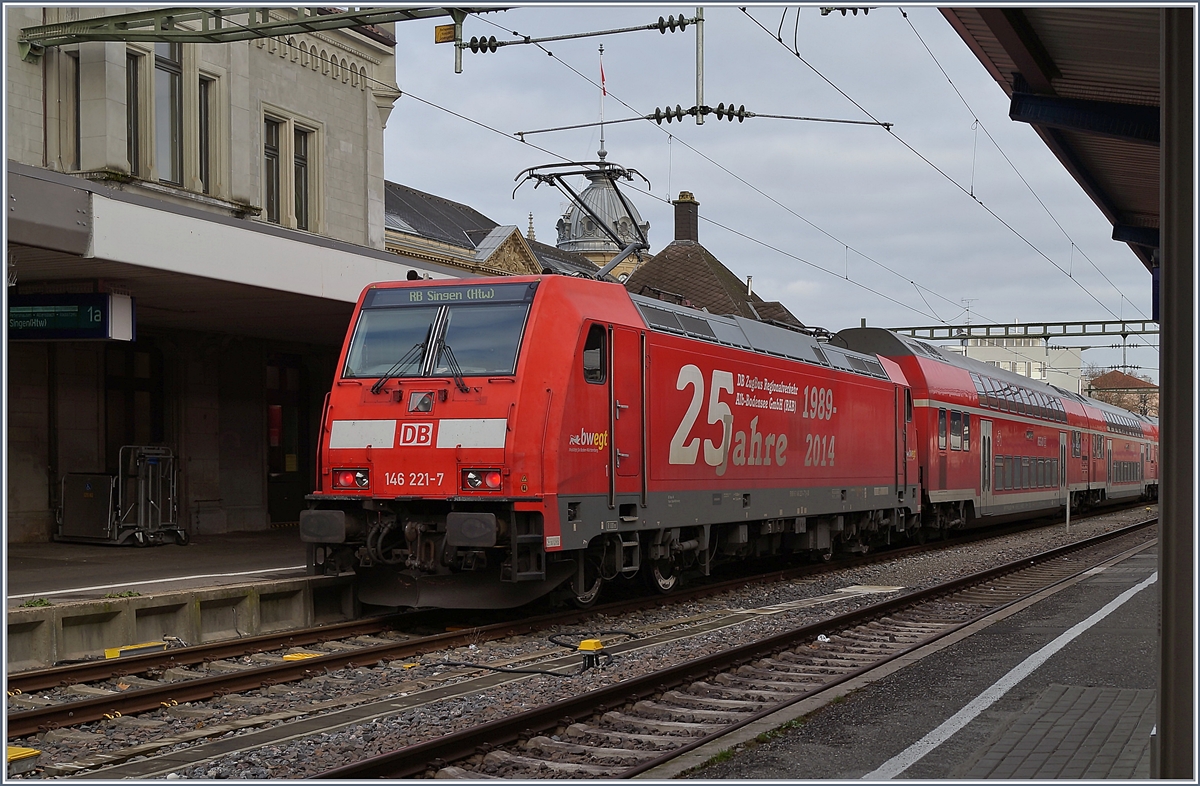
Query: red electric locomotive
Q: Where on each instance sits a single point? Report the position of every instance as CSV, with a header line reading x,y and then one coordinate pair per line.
x,y
490,440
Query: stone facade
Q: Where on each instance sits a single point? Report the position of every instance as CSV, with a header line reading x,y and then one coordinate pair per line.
x,y
337,85
89,111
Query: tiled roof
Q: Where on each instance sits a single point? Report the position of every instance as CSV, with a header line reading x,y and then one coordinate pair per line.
x,y
434,217
685,270
1119,379
560,261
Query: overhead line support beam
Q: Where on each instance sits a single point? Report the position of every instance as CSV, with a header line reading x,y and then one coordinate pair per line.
x,y
217,25
1042,330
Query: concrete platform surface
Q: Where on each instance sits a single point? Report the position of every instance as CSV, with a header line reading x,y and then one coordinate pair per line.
x,y
1084,710
73,571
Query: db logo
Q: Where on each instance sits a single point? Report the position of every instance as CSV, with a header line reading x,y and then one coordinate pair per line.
x,y
416,433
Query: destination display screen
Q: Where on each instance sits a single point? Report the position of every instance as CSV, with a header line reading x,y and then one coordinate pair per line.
x,y
457,294
71,317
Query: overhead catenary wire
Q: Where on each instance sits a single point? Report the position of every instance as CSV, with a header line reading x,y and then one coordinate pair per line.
x,y
942,172
672,137
979,123
738,233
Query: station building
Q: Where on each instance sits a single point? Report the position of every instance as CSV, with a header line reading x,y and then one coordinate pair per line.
x,y
225,205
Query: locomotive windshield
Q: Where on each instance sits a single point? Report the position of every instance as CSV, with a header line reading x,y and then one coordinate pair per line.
x,y
438,331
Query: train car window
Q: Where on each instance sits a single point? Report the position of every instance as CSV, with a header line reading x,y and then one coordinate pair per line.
x,y
998,473
993,400
1075,444
908,412
941,429
1013,475
1024,472
978,383
955,430
594,365
966,431
1041,473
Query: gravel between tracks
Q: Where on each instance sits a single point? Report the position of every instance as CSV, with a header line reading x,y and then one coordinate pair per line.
x,y
309,756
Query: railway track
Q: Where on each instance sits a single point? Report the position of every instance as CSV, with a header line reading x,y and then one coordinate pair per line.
x,y
632,727
190,674
266,669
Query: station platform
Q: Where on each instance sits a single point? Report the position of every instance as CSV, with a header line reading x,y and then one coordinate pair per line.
x,y
61,572
1060,688
70,601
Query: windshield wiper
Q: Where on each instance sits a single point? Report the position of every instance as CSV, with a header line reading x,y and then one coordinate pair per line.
x,y
413,355
455,371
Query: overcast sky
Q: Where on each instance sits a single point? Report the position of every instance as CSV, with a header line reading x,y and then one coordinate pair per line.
x,y
782,199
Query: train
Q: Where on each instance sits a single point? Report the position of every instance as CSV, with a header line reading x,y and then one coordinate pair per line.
x,y
491,441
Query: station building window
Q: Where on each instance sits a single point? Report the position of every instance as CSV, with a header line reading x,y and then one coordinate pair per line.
x,y
173,114
271,169
291,171
168,112
133,112
206,96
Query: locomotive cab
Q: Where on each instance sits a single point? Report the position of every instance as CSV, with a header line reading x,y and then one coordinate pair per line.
x,y
419,490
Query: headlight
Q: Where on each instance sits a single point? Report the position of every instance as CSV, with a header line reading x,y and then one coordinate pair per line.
x,y
351,478
481,479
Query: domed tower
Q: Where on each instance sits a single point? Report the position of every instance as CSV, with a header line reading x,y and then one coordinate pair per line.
x,y
577,230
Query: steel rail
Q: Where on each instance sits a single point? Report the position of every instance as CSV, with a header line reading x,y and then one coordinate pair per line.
x,y
145,699
416,759
71,713
94,671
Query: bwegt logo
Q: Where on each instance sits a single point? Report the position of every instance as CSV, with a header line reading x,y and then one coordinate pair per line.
x,y
594,439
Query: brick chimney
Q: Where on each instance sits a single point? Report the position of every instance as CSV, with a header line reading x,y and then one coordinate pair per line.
x,y
687,217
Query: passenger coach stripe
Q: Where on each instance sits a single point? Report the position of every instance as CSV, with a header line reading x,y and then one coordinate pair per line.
x,y
474,433
363,434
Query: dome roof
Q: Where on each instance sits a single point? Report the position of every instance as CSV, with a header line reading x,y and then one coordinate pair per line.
x,y
577,231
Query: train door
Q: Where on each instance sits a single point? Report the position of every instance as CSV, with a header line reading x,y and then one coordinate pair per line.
x,y
1062,466
985,463
1108,474
900,418
627,407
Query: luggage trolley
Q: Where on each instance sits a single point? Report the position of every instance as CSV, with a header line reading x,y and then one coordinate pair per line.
x,y
137,507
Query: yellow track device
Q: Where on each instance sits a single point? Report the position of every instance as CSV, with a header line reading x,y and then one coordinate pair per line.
x,y
134,649
22,760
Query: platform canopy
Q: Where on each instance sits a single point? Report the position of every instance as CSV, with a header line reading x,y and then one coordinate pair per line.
x,y
1088,81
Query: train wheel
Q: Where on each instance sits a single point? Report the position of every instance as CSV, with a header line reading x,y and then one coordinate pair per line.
x,y
662,575
182,537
